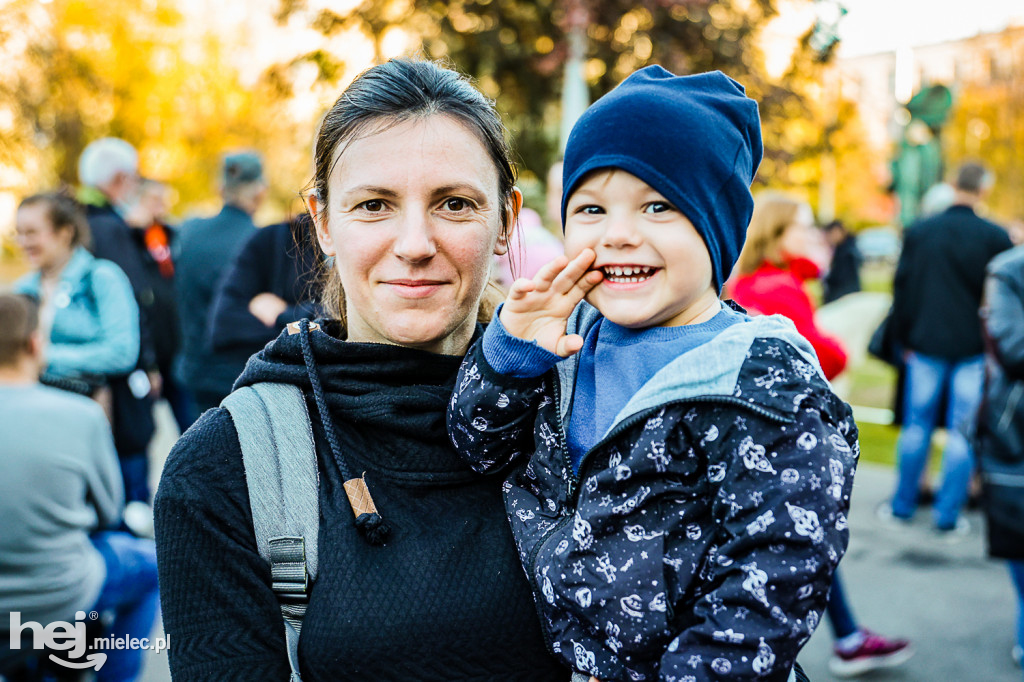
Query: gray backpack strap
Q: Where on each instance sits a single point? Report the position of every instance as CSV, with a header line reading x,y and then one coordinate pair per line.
x,y
281,473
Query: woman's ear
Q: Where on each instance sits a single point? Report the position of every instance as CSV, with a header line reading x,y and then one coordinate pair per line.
x,y
512,209
323,234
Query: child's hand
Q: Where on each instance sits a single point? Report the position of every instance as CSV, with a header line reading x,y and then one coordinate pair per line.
x,y
537,309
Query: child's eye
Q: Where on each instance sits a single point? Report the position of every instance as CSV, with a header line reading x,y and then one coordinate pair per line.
x,y
590,209
658,207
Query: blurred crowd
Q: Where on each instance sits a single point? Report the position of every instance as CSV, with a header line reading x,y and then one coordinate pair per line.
x,y
122,308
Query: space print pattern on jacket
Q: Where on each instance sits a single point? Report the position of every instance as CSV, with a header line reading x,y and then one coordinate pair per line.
x,y
699,538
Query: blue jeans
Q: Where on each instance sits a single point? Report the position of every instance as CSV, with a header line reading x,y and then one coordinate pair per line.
x,y
130,591
926,376
840,615
1017,573
135,474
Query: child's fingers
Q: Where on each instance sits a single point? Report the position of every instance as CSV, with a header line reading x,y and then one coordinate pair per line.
x,y
568,345
520,288
583,285
575,270
548,272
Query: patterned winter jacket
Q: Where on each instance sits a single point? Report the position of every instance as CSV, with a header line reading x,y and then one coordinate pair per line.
x,y
698,540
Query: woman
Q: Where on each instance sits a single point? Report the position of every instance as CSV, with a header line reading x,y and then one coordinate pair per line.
x,y
783,250
1000,438
413,196
88,313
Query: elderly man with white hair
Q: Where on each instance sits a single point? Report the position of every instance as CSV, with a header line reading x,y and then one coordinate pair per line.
x,y
108,170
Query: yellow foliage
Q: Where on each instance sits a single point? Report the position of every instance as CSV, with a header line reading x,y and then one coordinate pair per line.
x,y
142,72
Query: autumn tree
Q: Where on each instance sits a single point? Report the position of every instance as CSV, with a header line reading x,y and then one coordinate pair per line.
x,y
516,50
140,71
987,124
818,143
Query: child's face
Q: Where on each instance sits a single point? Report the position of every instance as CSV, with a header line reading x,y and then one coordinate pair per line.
x,y
633,229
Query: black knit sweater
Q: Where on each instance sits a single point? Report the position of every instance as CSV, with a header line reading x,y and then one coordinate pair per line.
x,y
444,599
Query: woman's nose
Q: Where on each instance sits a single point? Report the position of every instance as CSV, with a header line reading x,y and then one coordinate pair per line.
x,y
415,242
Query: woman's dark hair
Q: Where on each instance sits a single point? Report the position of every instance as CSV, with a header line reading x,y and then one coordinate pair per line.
x,y
63,212
394,92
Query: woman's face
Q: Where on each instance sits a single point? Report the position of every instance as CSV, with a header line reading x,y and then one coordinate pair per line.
x,y
413,218
44,246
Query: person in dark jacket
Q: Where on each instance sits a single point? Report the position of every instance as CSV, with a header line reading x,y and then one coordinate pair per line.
x,y
205,249
681,472
1000,436
272,281
108,172
843,276
154,240
936,296
413,196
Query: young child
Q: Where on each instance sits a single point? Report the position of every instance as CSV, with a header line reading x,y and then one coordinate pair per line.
x,y
680,473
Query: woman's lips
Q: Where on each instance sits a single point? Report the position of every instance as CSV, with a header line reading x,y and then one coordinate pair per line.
x,y
413,288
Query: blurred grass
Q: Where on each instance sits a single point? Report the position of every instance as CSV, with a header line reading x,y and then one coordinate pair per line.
x,y
873,384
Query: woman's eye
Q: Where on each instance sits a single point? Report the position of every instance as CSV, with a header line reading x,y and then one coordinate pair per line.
x,y
455,204
373,205
658,207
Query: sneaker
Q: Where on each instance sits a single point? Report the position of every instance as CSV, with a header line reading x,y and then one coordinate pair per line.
x,y
956,533
890,520
874,653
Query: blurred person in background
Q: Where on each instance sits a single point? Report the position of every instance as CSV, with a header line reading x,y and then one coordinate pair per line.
x,y
205,249
88,315
108,170
60,490
154,239
532,245
1016,230
272,281
783,250
843,275
937,293
1000,433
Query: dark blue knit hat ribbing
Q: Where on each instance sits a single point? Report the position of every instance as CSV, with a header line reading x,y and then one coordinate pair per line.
x,y
694,139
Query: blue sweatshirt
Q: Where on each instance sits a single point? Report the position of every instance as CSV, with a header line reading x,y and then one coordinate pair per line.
x,y
628,359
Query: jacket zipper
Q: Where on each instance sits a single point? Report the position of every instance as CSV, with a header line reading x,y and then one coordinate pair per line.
x,y
539,592
573,483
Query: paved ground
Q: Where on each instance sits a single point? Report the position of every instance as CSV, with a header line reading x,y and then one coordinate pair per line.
x,y
954,604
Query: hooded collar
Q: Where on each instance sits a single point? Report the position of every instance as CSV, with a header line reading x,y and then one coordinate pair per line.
x,y
711,369
391,395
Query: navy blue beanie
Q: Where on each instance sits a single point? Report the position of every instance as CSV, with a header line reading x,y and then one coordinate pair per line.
x,y
695,139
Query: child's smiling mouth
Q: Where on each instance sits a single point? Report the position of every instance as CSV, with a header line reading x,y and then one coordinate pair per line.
x,y
627,274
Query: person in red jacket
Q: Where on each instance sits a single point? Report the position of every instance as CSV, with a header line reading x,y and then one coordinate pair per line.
x,y
783,250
